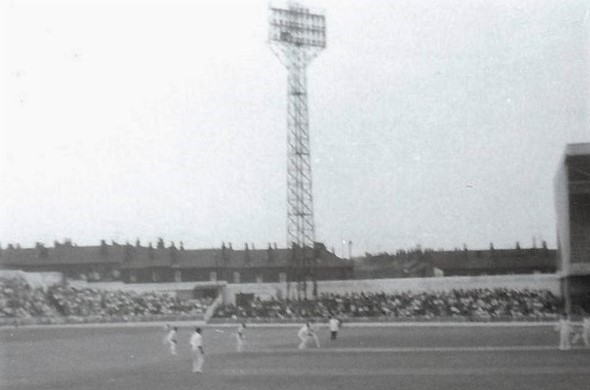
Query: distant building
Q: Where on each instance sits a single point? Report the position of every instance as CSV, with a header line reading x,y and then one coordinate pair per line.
x,y
91,263
496,261
140,264
159,264
460,262
572,201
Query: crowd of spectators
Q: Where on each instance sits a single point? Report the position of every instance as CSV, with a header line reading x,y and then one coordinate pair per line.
x,y
19,300
477,303
81,302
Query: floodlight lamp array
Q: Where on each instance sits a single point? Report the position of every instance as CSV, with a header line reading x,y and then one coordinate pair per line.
x,y
297,26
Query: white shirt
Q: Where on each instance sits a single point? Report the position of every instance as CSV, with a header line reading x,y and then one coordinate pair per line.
x,y
240,331
171,336
564,326
333,324
304,331
196,341
586,324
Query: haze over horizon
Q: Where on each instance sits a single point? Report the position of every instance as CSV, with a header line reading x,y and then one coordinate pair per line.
x,y
433,123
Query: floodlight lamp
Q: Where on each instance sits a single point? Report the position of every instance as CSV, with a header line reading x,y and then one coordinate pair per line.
x,y
298,26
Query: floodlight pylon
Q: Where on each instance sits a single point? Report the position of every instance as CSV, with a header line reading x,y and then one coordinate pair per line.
x,y
296,36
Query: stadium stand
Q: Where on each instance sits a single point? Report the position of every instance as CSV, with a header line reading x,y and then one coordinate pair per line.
x,y
61,303
20,300
85,302
496,304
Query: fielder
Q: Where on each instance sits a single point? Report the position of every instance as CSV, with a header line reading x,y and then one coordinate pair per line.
x,y
586,331
305,333
197,352
564,328
171,339
240,337
584,334
334,325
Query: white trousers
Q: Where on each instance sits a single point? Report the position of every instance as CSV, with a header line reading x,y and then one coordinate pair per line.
x,y
239,343
305,340
198,360
564,340
172,347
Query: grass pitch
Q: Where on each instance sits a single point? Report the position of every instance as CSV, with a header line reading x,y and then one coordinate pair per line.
x,y
407,357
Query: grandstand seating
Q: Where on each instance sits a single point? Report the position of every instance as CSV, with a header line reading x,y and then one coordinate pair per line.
x,y
19,300
478,304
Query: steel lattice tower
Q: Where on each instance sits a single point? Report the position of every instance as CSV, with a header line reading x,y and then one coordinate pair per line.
x,y
297,36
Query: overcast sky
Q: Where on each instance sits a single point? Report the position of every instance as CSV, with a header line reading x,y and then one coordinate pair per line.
x,y
432,122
